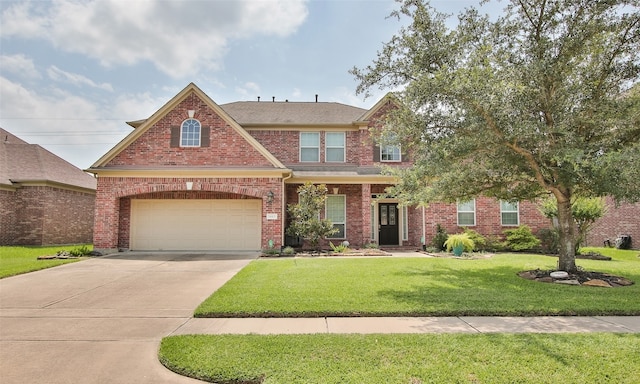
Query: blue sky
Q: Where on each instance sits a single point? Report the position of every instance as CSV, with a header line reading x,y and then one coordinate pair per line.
x,y
73,72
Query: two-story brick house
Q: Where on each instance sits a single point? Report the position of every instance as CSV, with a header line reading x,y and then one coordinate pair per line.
x,y
201,176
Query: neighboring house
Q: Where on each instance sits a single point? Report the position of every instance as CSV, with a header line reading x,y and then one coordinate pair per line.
x,y
622,219
201,176
44,200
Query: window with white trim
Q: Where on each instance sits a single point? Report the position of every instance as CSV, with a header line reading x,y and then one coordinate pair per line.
x,y
336,211
509,213
190,133
390,153
334,147
309,146
467,213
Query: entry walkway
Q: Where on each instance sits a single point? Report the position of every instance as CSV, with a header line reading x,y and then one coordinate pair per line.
x,y
364,325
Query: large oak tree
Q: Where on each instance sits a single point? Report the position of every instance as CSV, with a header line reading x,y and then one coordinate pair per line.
x,y
542,100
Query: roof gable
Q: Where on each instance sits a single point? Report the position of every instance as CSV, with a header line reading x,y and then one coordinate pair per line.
x,y
160,122
389,100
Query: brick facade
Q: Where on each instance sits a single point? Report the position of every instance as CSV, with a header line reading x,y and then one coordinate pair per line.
x,y
45,215
228,149
623,219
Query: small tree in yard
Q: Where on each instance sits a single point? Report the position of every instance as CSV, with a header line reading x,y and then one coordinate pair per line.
x,y
540,101
305,215
585,212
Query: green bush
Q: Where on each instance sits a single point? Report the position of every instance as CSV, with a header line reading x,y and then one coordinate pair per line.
x,y
549,240
479,241
288,251
80,251
340,248
520,239
494,243
439,238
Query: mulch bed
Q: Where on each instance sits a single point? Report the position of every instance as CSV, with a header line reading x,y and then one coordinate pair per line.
x,y
587,278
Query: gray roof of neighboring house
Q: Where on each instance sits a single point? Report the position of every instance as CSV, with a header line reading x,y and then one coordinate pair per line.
x,y
292,113
22,162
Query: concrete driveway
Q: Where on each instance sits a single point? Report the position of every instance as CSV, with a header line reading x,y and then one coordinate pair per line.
x,y
101,320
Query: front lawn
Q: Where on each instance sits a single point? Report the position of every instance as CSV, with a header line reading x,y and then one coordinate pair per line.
x,y
389,286
17,260
406,359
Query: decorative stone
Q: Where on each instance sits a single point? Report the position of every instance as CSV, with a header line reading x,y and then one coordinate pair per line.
x,y
567,282
559,275
546,279
597,283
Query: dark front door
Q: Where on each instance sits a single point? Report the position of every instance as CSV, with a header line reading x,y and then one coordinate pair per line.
x,y
388,224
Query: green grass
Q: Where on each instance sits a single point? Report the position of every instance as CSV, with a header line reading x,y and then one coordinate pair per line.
x,y
18,260
419,287
406,359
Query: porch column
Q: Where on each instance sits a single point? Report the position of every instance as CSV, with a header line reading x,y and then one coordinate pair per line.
x,y
366,213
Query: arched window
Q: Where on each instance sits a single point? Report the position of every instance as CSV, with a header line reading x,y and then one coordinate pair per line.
x,y
190,133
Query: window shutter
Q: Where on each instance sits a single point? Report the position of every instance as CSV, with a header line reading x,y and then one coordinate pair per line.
x,y
404,154
205,134
175,136
376,154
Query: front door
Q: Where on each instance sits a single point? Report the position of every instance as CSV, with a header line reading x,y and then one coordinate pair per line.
x,y
388,224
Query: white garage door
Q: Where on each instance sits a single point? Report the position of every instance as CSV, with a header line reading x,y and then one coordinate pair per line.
x,y
195,224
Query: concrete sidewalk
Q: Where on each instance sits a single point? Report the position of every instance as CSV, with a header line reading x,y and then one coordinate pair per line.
x,y
364,325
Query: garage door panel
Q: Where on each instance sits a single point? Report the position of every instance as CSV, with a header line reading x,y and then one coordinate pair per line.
x,y
196,224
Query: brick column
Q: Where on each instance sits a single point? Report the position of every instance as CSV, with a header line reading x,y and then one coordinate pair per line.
x,y
366,213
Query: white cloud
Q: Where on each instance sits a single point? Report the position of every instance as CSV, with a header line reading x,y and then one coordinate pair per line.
x,y
248,89
19,65
179,38
78,129
58,74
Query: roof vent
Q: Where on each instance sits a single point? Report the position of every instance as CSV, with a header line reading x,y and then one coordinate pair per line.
x,y
273,99
316,97
258,99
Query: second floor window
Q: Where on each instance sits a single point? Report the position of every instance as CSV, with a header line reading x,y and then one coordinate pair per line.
x,y
190,133
334,142
310,146
467,213
390,153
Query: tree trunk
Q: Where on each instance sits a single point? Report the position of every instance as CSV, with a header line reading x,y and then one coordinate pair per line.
x,y
567,257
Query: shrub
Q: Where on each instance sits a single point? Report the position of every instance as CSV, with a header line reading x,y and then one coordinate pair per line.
x,y
288,251
340,248
479,241
549,240
271,251
520,239
440,238
371,246
80,251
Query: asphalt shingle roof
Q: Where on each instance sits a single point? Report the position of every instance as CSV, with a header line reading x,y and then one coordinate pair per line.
x,y
21,161
292,113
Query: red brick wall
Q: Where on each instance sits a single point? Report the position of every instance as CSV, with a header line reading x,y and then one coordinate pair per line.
x,y
8,217
285,145
488,218
621,220
227,147
47,216
113,207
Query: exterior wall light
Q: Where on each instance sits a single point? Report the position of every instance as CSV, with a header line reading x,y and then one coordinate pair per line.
x,y
270,196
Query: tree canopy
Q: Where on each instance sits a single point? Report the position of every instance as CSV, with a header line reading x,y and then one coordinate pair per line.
x,y
541,100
